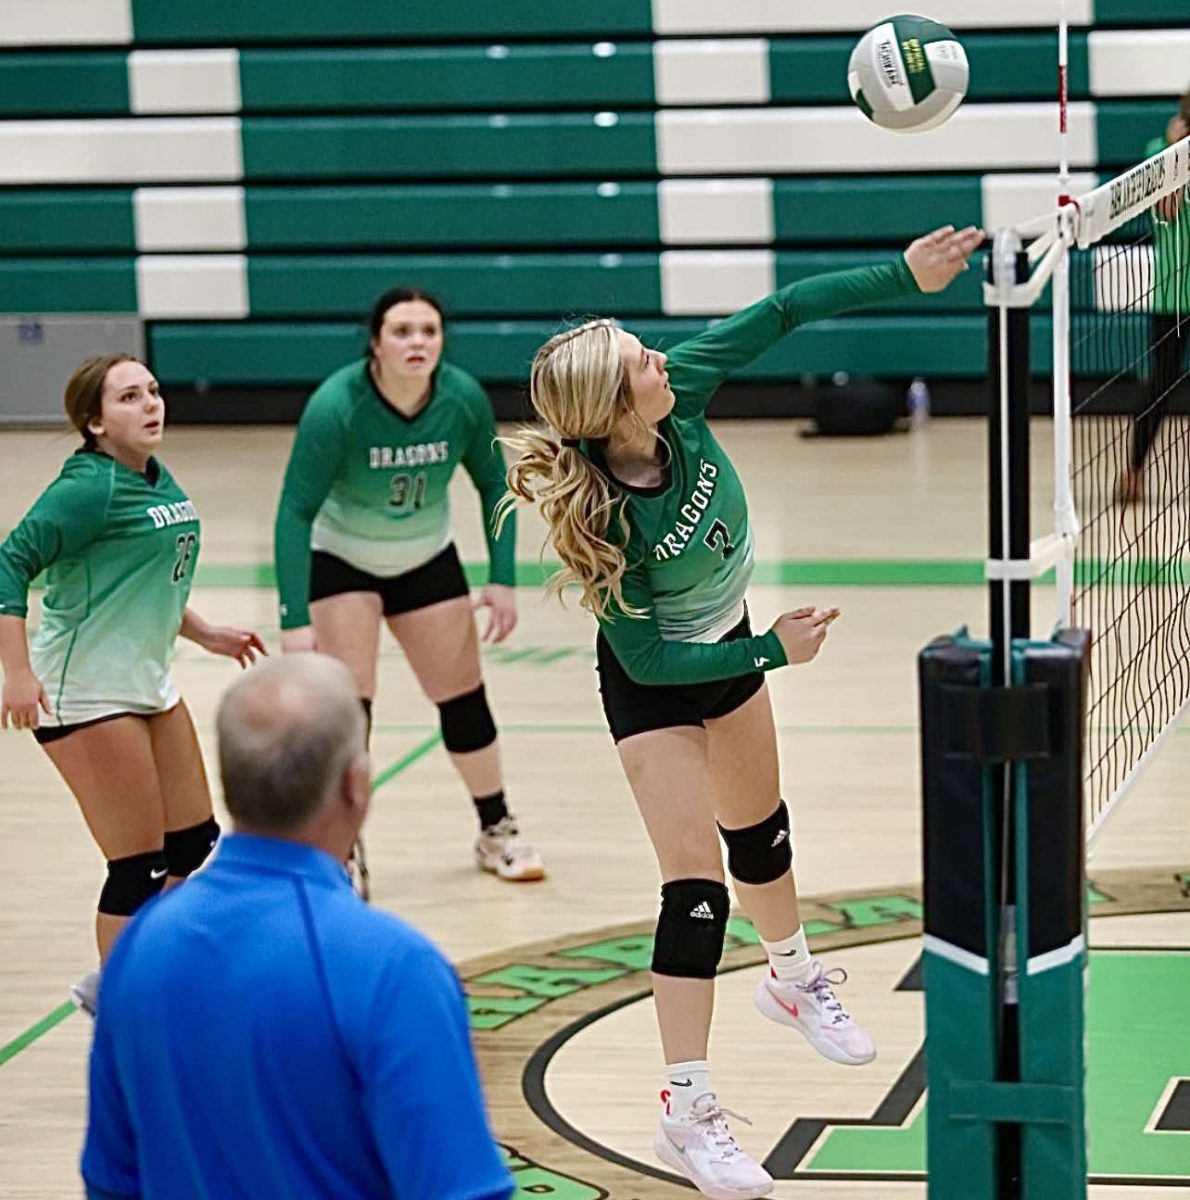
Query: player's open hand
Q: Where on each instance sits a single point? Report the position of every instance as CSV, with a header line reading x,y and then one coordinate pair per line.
x,y
802,632
939,257
500,601
241,644
23,701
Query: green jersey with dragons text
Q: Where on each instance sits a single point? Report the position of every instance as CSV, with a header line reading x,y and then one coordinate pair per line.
x,y
371,486
118,549
690,552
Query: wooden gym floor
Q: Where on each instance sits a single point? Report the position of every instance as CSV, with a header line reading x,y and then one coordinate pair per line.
x,y
894,530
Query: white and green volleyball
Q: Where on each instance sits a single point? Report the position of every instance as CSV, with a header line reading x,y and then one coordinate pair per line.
x,y
908,74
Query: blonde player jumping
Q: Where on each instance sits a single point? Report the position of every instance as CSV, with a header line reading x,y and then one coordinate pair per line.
x,y
649,519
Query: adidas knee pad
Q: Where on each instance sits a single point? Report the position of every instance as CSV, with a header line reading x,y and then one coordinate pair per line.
x,y
760,853
187,849
467,723
131,882
689,941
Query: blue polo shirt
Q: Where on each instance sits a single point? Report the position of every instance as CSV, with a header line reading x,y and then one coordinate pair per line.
x,y
265,1034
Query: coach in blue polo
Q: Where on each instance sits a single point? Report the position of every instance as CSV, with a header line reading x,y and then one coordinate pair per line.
x,y
264,1035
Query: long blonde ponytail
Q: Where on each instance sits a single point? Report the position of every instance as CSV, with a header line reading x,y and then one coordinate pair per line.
x,y
579,388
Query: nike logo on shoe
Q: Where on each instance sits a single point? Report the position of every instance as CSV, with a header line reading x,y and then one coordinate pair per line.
x,y
702,911
791,1009
158,874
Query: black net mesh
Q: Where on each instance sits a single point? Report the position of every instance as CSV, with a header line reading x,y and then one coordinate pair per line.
x,y
1130,345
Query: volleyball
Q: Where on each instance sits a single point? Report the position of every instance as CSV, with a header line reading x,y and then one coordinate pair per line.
x,y
908,74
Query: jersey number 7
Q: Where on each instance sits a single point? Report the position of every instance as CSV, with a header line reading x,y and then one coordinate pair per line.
x,y
719,538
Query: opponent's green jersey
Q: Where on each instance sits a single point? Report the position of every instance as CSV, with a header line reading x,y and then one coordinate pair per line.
x,y
1171,249
370,486
690,552
119,550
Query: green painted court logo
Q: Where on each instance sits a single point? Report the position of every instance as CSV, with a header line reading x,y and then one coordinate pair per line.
x,y
527,1005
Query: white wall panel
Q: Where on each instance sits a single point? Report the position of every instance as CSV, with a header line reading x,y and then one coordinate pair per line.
x,y
144,150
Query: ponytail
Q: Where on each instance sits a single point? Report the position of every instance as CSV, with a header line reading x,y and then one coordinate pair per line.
x,y
578,386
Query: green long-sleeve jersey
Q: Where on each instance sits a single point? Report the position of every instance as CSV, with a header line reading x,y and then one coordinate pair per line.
x,y
371,486
118,549
689,552
1171,251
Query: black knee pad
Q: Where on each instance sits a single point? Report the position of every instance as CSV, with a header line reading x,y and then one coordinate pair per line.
x,y
467,723
689,941
187,849
131,882
760,853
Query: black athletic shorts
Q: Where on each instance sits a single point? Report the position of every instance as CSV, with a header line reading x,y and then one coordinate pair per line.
x,y
55,733
638,707
440,579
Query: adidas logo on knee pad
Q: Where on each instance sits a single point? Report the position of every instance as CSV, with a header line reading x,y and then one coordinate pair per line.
x,y
782,834
702,912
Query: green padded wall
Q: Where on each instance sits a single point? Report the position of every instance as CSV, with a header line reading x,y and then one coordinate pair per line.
x,y
472,285
277,354
1018,66
59,221
234,21
63,83
880,208
39,285
454,146
461,215
396,79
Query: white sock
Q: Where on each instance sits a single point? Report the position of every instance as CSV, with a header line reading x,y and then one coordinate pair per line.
x,y
790,957
685,1082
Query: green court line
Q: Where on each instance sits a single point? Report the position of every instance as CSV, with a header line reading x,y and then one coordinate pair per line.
x,y
405,761
23,1040
857,572
31,1034
809,572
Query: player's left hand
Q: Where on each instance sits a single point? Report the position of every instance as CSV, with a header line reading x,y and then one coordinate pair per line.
x,y
500,601
938,257
241,644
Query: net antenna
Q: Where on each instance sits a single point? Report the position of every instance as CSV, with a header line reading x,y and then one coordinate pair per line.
x,y
1117,261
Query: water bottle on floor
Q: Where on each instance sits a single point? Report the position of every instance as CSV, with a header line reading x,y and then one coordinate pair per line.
x,y
917,403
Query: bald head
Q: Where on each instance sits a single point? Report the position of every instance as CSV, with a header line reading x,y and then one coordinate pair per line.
x,y
287,731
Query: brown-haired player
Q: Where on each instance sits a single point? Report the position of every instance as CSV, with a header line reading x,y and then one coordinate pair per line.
x,y
118,540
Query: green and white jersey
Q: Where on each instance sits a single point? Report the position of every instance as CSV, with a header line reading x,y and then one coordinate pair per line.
x,y
1171,250
371,486
690,551
118,549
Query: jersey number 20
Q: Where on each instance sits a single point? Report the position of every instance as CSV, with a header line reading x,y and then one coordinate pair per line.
x,y
185,548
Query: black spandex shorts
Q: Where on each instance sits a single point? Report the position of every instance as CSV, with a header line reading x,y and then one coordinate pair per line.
x,y
54,733
440,579
638,707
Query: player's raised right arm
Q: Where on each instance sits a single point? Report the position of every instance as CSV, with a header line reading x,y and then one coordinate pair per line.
x,y
699,366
